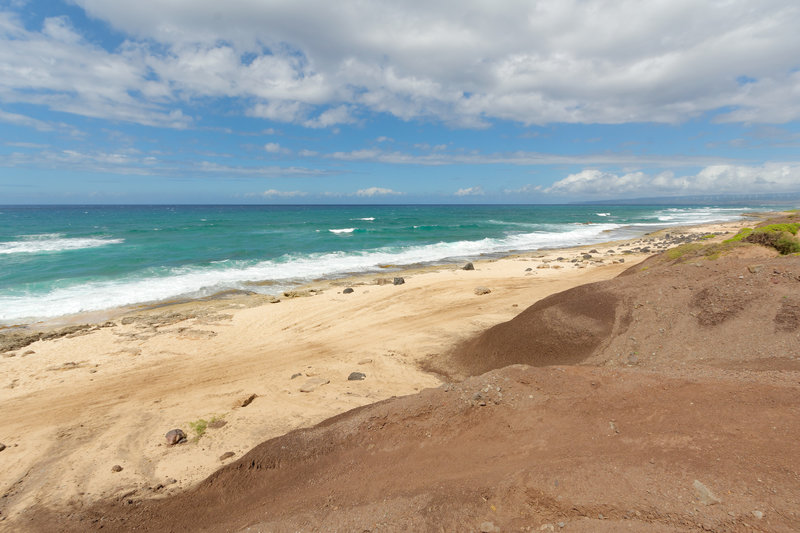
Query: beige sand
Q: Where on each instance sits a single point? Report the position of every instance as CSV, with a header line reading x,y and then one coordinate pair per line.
x,y
74,407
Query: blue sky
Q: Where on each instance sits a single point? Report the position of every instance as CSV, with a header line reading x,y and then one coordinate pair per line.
x,y
510,101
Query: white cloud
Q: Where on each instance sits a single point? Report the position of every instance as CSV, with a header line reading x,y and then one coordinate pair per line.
x,y
319,64
714,179
377,191
275,148
273,193
469,191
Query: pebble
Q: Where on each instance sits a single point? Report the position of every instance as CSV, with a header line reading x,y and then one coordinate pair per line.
x,y
226,455
116,468
348,290
313,384
398,281
468,266
175,436
758,514
482,290
356,376
2,446
704,494
489,527
365,361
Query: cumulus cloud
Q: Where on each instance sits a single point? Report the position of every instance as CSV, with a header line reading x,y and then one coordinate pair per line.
x,y
273,193
713,179
318,64
275,148
376,191
469,191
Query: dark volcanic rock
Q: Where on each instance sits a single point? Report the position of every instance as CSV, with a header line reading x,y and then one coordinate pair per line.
x,y
116,468
398,281
356,376
175,436
468,266
348,290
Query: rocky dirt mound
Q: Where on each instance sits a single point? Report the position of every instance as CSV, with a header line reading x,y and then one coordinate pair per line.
x,y
522,448
728,310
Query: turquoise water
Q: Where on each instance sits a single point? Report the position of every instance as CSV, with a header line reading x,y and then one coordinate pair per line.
x,y
62,260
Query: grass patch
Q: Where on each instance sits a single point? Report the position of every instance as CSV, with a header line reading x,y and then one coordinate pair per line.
x,y
744,232
679,252
201,425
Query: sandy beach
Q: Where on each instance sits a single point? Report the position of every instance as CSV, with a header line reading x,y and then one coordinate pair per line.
x,y
85,414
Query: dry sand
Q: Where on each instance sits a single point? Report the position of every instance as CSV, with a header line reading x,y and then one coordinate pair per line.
x,y
75,406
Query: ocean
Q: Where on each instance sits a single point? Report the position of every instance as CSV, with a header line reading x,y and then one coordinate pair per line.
x,y
62,260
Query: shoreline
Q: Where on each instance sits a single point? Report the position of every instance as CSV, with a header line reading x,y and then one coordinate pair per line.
x,y
98,316
84,402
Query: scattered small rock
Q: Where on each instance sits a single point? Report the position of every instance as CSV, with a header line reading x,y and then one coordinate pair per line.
x,y
529,269
2,446
755,269
216,424
356,376
468,266
587,256
313,384
226,455
365,361
170,481
116,468
489,527
348,290
593,251
758,514
248,400
704,494
175,436
482,290
398,281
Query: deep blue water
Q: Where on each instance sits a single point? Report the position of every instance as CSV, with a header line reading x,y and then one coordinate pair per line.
x,y
57,260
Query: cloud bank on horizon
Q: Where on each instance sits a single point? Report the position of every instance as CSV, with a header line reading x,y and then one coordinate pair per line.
x,y
523,101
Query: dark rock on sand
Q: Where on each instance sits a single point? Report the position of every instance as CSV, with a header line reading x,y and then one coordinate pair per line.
x,y
468,266
296,375
398,281
116,468
247,400
2,446
356,376
216,424
226,455
348,290
175,436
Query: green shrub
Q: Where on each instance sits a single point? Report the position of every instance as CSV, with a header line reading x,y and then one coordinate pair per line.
x,y
787,244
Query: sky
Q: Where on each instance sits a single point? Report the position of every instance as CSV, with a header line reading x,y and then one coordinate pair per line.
x,y
354,101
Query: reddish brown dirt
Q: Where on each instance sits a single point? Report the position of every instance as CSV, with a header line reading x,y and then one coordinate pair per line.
x,y
680,372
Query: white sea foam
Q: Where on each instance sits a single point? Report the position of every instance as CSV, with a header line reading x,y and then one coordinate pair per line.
x,y
342,230
370,219
52,242
195,281
603,214
677,216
